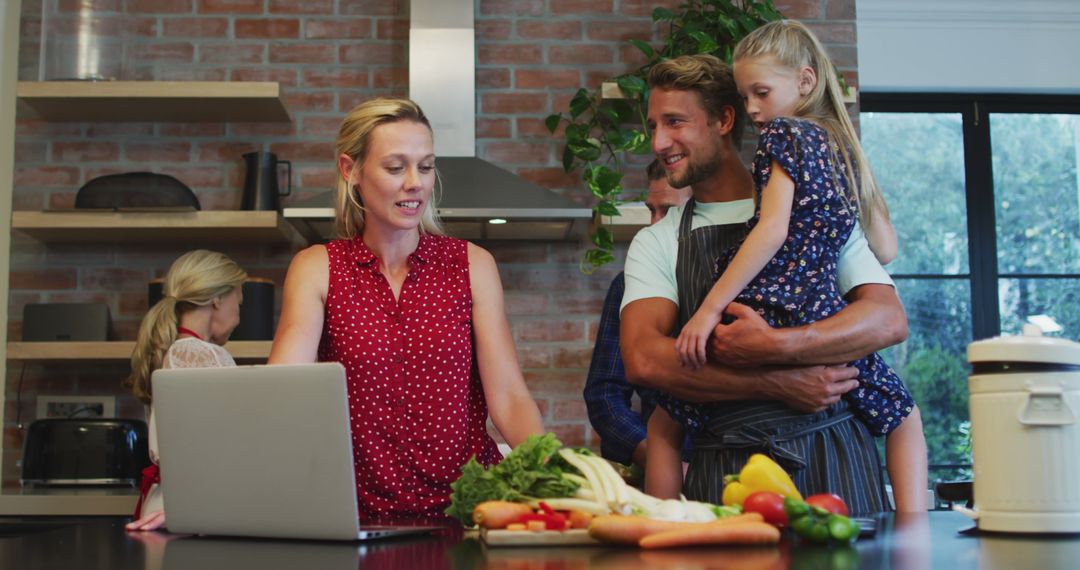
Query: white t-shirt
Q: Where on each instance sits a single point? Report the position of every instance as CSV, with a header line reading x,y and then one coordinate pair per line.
x,y
651,259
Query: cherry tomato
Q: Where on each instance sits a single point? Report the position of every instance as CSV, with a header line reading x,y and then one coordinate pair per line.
x,y
769,505
829,502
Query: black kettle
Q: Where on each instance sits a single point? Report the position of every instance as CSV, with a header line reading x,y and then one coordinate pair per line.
x,y
261,181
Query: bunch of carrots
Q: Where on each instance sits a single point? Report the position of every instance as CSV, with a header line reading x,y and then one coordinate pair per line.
x,y
631,530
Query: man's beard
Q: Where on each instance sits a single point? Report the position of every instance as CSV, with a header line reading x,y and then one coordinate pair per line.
x,y
696,171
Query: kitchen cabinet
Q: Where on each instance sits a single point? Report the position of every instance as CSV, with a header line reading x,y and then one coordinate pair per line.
x,y
170,101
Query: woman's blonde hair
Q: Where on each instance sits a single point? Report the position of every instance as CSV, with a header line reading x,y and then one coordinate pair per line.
x,y
794,46
354,140
194,279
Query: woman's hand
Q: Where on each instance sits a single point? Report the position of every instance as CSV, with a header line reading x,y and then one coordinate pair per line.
x,y
150,521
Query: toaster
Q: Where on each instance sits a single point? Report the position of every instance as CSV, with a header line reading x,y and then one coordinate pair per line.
x,y
96,452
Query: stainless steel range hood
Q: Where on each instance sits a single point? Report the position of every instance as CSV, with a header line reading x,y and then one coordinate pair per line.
x,y
442,79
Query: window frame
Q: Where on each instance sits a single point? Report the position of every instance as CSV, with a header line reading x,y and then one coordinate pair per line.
x,y
975,109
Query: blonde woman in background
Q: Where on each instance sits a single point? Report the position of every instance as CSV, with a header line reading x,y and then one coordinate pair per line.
x,y
185,329
416,318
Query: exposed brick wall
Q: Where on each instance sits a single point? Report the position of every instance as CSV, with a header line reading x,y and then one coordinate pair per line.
x,y
329,55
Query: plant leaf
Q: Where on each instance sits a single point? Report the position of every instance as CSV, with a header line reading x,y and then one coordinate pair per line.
x,y
662,15
705,42
606,208
567,159
586,152
631,85
552,122
644,47
580,103
603,238
594,259
607,179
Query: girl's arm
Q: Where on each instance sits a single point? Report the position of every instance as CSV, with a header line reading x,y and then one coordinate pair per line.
x,y
512,408
303,308
758,249
882,236
663,452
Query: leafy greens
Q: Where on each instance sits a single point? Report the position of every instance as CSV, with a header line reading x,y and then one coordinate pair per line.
x,y
533,470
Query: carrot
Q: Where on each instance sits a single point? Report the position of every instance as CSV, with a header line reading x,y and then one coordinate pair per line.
x,y
580,519
620,529
498,514
628,529
752,532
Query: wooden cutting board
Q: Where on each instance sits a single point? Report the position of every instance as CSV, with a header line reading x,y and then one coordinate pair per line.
x,y
573,537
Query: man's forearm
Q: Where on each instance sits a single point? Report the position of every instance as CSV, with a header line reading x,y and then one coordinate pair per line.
x,y
651,361
873,320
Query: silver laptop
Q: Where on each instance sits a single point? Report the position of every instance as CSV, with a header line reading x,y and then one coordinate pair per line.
x,y
260,451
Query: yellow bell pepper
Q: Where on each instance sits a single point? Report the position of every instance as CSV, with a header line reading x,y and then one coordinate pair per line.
x,y
759,474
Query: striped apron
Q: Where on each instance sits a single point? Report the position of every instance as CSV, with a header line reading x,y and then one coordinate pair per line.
x,y
826,452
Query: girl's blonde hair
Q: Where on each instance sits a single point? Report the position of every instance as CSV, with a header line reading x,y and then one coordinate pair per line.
x,y
194,279
354,141
794,46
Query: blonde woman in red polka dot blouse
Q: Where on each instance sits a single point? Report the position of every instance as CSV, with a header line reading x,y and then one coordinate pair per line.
x,y
416,318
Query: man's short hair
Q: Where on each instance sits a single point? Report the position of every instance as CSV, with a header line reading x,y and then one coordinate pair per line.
x,y
710,78
655,171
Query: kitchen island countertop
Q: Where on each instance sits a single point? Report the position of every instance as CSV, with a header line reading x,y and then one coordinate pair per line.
x,y
903,542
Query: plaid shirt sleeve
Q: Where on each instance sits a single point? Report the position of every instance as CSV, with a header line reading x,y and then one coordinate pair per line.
x,y
607,392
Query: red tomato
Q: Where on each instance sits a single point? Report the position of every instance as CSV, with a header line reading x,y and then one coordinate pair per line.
x,y
829,502
769,505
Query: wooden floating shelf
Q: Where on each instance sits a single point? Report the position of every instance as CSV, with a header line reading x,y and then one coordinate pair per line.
x,y
77,226
115,350
171,101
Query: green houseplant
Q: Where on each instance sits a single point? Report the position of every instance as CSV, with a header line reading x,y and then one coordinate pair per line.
x,y
600,131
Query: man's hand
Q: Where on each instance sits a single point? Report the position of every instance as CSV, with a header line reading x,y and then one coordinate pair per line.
x,y
747,342
811,388
874,319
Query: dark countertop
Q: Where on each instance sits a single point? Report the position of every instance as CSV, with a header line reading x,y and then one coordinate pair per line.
x,y
903,542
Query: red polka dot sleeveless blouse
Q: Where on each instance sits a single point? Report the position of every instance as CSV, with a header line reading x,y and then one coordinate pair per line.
x,y
415,401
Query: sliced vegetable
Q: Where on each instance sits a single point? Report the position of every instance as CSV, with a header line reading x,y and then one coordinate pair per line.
x,y
580,519
553,521
498,514
574,505
759,474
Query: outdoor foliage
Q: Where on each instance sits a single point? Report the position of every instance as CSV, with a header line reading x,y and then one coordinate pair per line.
x,y
919,161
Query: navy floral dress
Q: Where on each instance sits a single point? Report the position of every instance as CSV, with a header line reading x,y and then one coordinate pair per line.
x,y
798,286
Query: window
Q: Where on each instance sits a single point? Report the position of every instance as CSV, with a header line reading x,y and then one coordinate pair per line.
x,y
984,194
